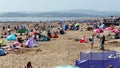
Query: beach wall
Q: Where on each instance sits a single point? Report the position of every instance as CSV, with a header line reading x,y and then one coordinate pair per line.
x,y
98,63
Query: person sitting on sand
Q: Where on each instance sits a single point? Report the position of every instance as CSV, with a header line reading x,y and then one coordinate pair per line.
x,y
29,65
12,47
60,31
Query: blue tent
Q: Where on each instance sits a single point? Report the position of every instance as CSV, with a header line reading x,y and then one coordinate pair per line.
x,y
103,26
12,37
2,52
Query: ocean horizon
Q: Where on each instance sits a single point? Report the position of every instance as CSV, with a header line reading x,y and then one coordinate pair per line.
x,y
37,19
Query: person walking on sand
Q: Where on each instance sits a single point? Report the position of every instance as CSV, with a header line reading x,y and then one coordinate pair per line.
x,y
29,65
102,42
92,41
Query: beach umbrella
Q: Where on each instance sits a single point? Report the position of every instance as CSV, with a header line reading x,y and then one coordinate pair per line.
x,y
98,30
115,31
67,67
109,28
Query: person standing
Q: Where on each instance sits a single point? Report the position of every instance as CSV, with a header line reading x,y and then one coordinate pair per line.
x,y
49,33
92,41
102,42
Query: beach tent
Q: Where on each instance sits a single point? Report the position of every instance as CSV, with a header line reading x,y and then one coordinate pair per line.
x,y
98,30
103,26
115,31
21,31
77,25
2,52
67,67
31,42
109,28
12,37
44,38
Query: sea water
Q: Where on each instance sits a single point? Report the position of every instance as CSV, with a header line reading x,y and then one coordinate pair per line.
x,y
36,19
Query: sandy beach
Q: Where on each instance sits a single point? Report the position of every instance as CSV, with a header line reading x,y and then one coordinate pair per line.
x,y
57,52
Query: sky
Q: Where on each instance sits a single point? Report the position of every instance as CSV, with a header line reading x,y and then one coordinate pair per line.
x,y
58,5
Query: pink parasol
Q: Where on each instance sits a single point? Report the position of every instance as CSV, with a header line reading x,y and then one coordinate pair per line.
x,y
115,31
109,28
98,30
